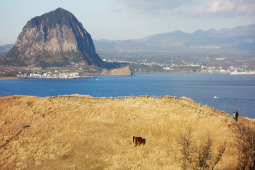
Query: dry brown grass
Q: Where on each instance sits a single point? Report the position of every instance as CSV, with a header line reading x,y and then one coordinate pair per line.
x,y
62,134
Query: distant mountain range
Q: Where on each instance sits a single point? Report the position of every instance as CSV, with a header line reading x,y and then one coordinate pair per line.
x,y
5,49
241,38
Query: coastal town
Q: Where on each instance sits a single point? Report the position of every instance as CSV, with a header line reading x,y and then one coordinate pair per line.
x,y
76,70
80,70
56,74
200,68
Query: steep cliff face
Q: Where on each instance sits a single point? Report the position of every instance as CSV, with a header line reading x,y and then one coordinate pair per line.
x,y
125,71
55,38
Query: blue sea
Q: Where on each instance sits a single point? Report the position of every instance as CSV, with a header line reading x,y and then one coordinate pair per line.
x,y
233,92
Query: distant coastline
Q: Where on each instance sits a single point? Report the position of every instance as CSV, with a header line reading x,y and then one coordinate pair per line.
x,y
8,78
242,73
44,78
93,75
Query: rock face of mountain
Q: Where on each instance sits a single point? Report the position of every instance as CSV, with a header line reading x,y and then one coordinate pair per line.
x,y
53,39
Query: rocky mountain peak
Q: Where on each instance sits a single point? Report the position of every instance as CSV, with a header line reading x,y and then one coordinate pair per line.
x,y
53,39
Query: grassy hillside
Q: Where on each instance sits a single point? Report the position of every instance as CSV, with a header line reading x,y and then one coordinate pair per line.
x,y
87,133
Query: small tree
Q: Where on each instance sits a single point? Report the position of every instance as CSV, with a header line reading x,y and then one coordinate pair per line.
x,y
186,149
201,156
217,159
244,136
205,152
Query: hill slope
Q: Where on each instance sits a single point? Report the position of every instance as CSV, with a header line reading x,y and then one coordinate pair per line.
x,y
91,133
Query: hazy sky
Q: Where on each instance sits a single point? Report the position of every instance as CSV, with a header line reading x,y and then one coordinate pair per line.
x,y
130,19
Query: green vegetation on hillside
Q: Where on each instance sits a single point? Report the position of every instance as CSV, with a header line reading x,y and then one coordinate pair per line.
x,y
54,64
145,69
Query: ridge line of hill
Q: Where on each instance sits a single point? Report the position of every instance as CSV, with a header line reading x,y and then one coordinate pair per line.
x,y
171,99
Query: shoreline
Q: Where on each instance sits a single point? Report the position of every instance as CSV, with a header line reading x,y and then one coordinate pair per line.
x,y
242,73
93,75
3,78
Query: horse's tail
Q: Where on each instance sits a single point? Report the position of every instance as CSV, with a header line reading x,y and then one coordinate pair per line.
x,y
133,138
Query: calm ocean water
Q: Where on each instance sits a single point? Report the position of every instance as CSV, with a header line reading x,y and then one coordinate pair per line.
x,y
233,91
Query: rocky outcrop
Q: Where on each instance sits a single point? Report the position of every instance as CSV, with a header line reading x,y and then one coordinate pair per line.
x,y
122,72
55,38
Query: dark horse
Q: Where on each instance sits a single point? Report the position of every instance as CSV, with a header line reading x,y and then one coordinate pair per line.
x,y
138,140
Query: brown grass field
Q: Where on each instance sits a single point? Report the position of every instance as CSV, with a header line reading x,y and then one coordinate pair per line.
x,y
70,133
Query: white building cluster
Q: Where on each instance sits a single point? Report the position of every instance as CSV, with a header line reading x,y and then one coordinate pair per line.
x,y
49,75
